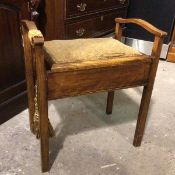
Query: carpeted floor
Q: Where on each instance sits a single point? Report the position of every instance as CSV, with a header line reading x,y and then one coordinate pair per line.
x,y
88,142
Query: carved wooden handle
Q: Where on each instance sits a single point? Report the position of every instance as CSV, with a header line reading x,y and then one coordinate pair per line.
x,y
147,26
80,32
82,7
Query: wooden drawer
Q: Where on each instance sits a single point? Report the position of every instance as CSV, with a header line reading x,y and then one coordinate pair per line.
x,y
82,7
93,27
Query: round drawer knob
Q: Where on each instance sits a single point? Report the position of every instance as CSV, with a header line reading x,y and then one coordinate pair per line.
x,y
80,32
82,7
122,1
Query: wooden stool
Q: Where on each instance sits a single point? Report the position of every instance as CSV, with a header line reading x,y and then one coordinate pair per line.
x,y
66,68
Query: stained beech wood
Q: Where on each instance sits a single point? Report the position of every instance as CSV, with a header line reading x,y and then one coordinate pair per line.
x,y
110,100
29,72
72,83
35,56
30,68
41,79
147,92
149,27
43,105
118,31
73,79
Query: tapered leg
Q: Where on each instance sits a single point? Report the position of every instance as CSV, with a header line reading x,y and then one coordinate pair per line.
x,y
43,107
44,146
147,91
143,111
110,100
44,126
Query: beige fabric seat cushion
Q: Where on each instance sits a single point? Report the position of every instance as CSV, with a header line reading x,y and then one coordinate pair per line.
x,y
79,50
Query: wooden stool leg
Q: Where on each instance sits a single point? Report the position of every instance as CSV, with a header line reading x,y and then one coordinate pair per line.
x,y
44,127
110,100
147,91
44,141
143,111
43,107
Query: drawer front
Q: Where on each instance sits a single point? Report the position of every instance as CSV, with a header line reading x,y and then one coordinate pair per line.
x,y
93,27
82,7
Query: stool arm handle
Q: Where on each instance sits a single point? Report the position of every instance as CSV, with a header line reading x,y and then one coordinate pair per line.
x,y
144,24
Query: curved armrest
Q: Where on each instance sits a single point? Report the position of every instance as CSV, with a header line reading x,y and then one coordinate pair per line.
x,y
35,36
147,26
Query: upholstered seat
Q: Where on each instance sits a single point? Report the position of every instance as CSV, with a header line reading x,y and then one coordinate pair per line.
x,y
79,50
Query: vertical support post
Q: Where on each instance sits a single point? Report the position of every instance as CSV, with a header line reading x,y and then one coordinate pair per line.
x,y
29,73
118,31
43,106
110,98
147,92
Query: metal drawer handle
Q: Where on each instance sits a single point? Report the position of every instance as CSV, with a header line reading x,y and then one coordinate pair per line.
x,y
80,32
82,7
122,1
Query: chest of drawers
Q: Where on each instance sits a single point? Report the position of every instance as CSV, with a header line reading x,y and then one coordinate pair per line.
x,y
69,19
